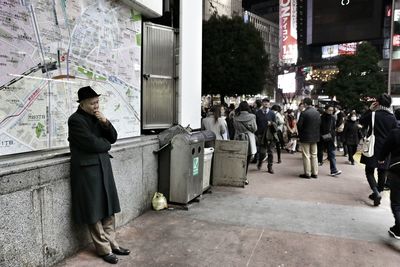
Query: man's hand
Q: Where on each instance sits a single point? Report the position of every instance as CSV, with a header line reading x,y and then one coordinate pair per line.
x,y
381,162
100,117
374,106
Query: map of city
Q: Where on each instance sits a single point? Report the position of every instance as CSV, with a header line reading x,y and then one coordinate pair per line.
x,y
51,48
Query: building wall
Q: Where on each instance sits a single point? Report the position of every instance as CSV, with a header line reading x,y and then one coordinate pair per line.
x,y
227,8
269,32
35,200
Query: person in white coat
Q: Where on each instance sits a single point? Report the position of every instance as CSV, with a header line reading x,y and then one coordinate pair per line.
x,y
213,122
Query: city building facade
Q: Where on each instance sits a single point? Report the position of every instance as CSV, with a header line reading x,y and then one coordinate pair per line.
x,y
269,32
227,8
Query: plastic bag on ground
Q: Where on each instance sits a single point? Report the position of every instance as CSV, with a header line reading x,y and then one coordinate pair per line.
x,y
159,202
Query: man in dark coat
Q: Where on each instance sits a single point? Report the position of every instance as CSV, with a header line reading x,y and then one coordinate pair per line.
x,y
265,117
384,123
351,135
309,135
392,147
328,132
94,194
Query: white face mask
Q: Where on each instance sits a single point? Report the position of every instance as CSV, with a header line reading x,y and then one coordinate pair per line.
x,y
353,118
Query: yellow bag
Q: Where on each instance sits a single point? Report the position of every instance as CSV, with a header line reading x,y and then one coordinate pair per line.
x,y
159,202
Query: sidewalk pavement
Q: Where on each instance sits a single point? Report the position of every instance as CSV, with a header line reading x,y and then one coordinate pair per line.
x,y
277,220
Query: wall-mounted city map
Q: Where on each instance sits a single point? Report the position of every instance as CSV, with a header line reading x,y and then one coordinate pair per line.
x,y
51,48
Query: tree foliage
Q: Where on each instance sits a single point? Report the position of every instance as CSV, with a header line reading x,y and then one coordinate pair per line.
x,y
234,59
359,77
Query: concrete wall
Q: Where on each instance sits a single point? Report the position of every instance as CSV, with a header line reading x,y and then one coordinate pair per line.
x,y
36,228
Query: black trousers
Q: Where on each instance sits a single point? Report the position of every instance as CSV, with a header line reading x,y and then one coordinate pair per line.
x,y
247,163
369,172
278,150
352,149
395,197
266,150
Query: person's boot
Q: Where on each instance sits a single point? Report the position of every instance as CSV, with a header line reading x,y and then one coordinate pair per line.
x,y
270,170
376,197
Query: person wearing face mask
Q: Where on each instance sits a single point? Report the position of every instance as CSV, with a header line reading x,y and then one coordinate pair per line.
x,y
351,135
328,131
384,122
94,194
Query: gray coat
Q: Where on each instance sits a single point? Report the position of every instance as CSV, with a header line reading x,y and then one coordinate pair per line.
x,y
94,194
309,126
245,122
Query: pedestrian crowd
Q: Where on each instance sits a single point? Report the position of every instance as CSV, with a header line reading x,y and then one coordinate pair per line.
x,y
314,131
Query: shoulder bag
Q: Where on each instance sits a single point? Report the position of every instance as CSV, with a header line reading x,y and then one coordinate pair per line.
x,y
369,142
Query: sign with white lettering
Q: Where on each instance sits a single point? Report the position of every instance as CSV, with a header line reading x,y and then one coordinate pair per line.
x,y
288,51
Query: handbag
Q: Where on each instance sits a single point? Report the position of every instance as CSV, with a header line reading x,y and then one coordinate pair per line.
x,y
326,137
250,138
369,142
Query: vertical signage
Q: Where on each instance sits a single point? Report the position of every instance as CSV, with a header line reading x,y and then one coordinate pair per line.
x,y
288,31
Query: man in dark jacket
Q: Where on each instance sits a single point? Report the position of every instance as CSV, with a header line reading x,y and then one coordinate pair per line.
x,y
94,194
309,134
397,115
264,118
392,147
352,135
384,123
328,132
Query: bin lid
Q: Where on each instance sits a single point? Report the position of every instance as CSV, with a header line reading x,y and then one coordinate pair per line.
x,y
189,138
166,136
208,135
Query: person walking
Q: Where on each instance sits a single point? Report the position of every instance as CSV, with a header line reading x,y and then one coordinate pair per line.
x,y
94,194
297,114
291,132
280,122
328,131
392,147
384,122
309,134
215,123
245,127
351,136
265,117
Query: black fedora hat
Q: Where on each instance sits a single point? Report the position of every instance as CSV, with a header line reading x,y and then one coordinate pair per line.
x,y
85,93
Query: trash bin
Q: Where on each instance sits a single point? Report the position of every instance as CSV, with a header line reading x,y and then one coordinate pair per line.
x,y
181,164
208,155
209,138
230,158
209,144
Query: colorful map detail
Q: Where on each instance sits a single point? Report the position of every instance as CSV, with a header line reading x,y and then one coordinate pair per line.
x,y
48,50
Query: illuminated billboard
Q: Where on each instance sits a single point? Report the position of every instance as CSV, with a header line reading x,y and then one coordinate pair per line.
x,y
287,82
343,21
330,51
288,51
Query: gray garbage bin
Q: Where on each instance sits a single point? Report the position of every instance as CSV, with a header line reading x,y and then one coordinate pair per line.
x,y
230,159
209,144
181,168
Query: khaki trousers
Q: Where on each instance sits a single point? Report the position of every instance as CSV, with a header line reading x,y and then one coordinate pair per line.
x,y
310,161
103,235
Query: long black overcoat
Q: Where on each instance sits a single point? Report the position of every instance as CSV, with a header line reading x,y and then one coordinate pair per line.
x,y
384,123
94,194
